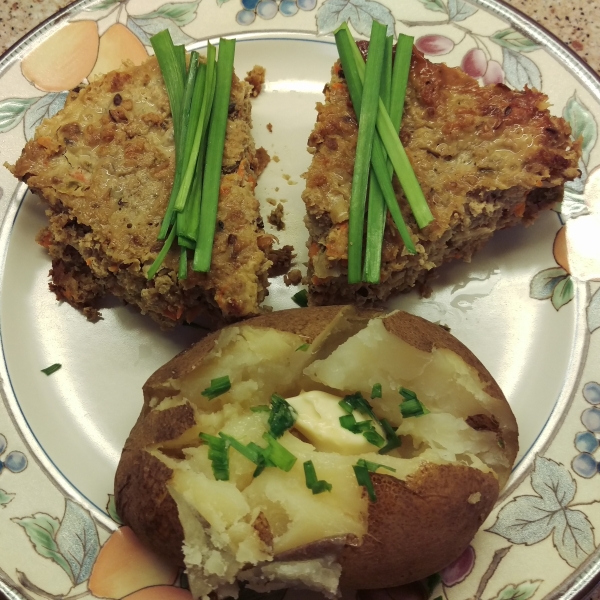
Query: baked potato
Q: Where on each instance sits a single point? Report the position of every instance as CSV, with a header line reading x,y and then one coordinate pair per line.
x,y
199,486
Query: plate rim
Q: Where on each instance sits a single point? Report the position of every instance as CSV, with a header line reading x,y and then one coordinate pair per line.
x,y
584,578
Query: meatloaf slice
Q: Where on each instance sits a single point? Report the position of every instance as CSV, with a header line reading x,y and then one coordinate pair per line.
x,y
104,165
487,158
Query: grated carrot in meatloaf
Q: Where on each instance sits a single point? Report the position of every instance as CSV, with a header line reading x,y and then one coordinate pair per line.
x,y
487,158
104,165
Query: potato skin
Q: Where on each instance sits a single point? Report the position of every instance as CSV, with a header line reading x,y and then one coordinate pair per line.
x,y
433,524
141,495
434,520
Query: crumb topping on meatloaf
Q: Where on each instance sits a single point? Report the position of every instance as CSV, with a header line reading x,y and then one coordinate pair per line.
x,y
105,165
486,158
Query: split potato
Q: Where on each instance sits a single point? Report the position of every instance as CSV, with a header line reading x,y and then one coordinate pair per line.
x,y
426,498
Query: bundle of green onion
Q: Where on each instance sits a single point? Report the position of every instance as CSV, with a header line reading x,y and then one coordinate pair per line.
x,y
377,91
199,99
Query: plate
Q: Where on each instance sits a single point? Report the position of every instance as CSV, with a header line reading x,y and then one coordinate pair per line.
x,y
528,305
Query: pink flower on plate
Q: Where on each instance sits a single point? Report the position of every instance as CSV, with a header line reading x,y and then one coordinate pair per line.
x,y
434,44
458,570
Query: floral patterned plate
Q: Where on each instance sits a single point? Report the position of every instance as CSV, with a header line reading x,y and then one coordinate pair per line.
x,y
528,305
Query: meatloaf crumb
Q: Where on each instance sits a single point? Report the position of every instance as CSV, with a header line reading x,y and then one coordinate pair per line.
x,y
294,277
282,260
256,79
104,165
487,158
276,217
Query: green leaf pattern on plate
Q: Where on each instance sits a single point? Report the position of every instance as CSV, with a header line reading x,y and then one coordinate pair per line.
x,y
12,111
435,5
513,40
563,293
77,541
520,70
531,519
522,591
181,13
459,10
5,498
360,14
41,530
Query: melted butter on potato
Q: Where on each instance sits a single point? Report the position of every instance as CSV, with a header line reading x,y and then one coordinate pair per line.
x,y
319,421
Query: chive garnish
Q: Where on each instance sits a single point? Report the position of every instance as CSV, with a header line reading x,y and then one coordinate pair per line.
x,y
218,386
312,482
373,466
393,441
366,428
52,369
260,408
301,298
214,157
376,211
251,451
384,140
218,455
282,416
357,402
412,407
199,99
396,152
362,470
373,438
376,391
303,348
406,393
363,478
366,129
277,455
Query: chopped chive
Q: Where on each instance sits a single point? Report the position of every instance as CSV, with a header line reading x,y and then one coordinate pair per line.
x,y
303,348
218,455
350,423
376,392
52,369
393,441
278,455
252,453
372,466
413,407
376,209
406,393
217,387
373,438
363,478
312,482
301,298
364,147
357,402
282,416
260,408
214,157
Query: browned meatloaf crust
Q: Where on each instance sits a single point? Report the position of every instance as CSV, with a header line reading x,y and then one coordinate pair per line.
x,y
104,165
486,157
